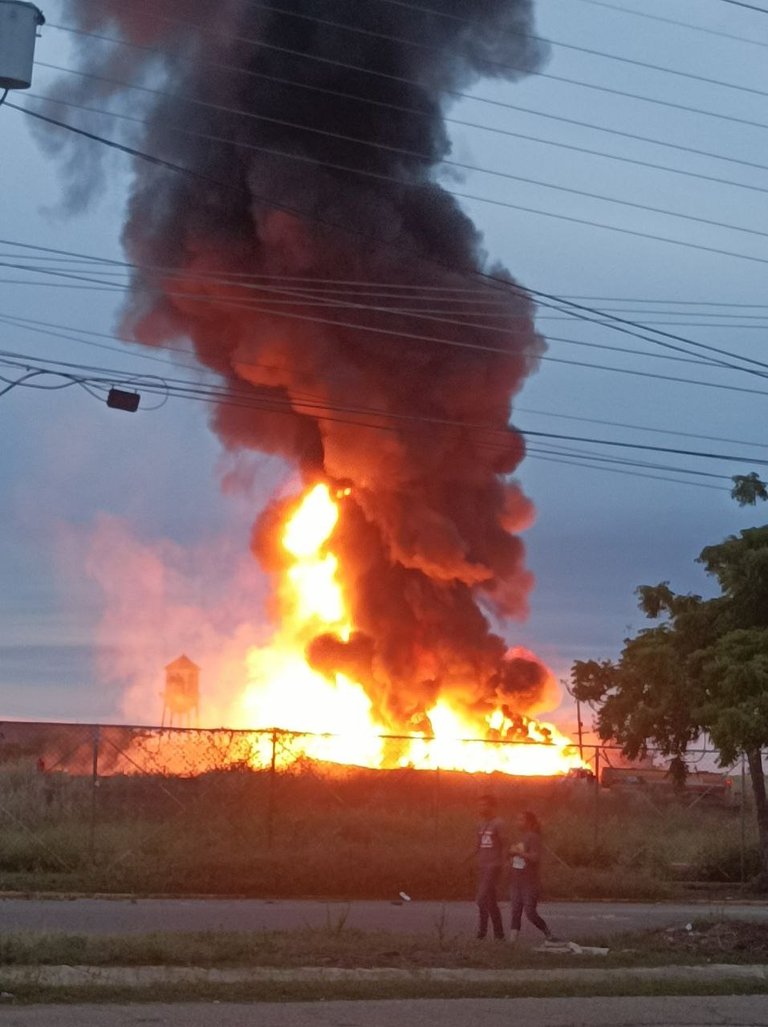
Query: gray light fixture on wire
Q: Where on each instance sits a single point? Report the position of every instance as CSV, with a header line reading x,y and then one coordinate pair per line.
x,y
19,23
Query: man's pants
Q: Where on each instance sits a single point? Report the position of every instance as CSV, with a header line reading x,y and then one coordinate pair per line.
x,y
487,902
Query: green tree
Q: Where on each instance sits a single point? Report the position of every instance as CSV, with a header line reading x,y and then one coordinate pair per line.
x,y
703,669
748,488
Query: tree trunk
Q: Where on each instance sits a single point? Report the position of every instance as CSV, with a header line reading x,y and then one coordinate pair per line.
x,y
755,761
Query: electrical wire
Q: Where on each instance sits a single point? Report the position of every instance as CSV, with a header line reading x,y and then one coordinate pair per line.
x,y
381,177
571,147
361,69
401,334
455,55
587,461
577,310
346,228
749,7
654,376
353,287
75,333
241,145
401,41
454,315
673,21
630,474
635,427
370,101
580,312
608,461
23,321
479,307
150,158
320,408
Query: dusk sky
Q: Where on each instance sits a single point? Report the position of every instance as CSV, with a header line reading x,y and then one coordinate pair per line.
x,y
90,494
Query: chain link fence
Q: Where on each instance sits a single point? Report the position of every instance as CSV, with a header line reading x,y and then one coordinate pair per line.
x,y
177,810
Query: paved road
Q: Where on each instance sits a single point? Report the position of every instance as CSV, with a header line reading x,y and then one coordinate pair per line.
x,y
574,920
725,1011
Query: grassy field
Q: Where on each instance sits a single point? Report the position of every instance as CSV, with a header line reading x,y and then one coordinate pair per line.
x,y
323,832
732,941
25,957
34,993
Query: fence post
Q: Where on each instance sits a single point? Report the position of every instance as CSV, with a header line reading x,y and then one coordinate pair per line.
x,y
437,807
596,825
271,788
96,739
743,812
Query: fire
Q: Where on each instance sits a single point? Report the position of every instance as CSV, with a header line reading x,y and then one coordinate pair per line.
x,y
285,692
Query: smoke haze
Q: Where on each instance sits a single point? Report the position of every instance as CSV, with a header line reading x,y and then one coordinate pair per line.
x,y
379,401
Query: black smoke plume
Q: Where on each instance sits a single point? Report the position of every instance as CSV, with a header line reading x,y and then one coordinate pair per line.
x,y
315,129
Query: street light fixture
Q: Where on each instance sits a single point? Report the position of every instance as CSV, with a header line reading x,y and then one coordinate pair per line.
x,y
19,23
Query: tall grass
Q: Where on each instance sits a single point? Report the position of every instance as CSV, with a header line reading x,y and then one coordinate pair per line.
x,y
343,834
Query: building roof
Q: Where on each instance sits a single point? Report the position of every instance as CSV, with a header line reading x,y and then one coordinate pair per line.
x,y
182,663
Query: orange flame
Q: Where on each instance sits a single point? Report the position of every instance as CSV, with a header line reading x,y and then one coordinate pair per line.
x,y
285,692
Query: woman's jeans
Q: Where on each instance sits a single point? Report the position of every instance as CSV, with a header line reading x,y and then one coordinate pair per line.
x,y
524,897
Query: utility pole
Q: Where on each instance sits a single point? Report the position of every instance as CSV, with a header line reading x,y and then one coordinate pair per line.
x,y
579,723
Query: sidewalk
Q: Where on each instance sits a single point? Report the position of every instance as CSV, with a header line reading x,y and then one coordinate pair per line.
x,y
708,1011
723,1011
143,977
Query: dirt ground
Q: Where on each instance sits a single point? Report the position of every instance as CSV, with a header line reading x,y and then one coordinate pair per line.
x,y
717,939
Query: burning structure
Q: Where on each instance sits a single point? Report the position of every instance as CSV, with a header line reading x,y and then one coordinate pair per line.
x,y
313,261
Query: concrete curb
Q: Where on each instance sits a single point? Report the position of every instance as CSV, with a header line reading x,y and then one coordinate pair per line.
x,y
148,976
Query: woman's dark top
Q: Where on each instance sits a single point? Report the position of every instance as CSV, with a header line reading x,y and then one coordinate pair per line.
x,y
527,863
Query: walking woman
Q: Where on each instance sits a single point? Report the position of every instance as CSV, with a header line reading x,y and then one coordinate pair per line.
x,y
525,877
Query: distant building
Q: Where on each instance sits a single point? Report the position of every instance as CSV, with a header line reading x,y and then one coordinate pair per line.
x,y
181,698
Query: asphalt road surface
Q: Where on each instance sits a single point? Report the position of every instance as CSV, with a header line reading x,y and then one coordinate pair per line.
x,y
569,920
725,1011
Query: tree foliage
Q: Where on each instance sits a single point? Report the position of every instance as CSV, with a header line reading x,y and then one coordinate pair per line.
x,y
748,488
702,669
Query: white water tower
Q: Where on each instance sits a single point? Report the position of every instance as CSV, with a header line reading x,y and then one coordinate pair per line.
x,y
19,23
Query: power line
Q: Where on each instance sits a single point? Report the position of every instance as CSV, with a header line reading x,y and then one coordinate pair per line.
x,y
450,163
447,312
504,433
749,7
637,427
655,376
401,334
673,21
353,287
630,474
595,462
398,78
401,291
580,312
548,358
75,333
666,168
512,32
150,158
381,177
599,458
370,101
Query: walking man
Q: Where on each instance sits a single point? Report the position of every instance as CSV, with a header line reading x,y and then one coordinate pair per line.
x,y
489,852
